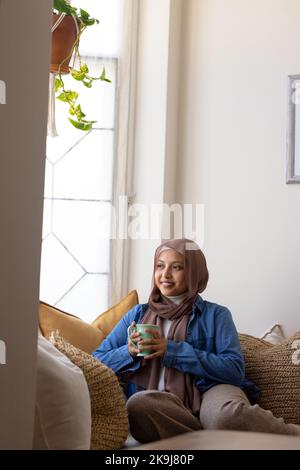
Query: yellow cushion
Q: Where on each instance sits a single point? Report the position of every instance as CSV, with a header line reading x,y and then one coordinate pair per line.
x,y
73,329
84,336
276,371
107,320
109,415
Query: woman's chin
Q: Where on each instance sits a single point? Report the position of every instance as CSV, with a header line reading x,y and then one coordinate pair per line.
x,y
168,291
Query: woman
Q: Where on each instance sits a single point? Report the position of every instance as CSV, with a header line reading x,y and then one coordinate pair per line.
x,y
194,377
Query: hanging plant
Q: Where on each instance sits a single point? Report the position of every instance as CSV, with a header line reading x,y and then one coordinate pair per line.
x,y
74,21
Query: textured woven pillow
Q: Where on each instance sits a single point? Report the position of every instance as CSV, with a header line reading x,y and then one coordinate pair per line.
x,y
275,370
109,415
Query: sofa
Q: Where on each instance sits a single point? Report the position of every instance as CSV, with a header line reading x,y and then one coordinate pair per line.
x,y
274,368
224,440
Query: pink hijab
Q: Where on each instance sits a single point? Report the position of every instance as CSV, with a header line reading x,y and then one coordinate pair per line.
x,y
160,308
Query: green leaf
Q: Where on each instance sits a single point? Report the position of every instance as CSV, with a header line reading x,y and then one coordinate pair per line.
x,y
89,21
103,76
68,96
83,126
78,75
62,97
61,6
84,13
72,95
88,84
58,84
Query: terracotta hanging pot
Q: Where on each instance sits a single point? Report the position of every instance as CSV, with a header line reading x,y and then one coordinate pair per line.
x,y
64,33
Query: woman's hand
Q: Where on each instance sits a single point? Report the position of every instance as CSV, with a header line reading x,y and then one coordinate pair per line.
x,y
157,344
133,339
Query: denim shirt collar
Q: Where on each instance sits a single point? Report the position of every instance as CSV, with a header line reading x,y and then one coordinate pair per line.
x,y
198,305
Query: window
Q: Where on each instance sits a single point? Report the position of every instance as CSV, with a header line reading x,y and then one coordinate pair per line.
x,y
76,272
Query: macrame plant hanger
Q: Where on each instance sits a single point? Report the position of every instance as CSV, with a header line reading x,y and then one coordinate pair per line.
x,y
51,126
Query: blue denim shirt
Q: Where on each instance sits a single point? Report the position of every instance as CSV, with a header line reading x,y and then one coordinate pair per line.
x,y
211,352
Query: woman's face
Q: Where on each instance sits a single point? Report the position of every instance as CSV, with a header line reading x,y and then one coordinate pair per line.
x,y
169,273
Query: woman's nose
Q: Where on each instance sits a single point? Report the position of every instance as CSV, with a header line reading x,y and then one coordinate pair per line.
x,y
167,272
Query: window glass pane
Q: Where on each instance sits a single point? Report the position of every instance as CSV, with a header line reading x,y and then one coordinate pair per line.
x,y
47,218
76,248
85,172
88,298
103,39
48,188
84,229
59,270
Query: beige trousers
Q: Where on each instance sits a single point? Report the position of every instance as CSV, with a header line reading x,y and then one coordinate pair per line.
x,y
155,415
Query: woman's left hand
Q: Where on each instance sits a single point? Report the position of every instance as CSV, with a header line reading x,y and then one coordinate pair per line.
x,y
157,344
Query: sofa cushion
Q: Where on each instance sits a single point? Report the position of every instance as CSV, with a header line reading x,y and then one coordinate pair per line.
x,y
81,334
108,319
63,410
276,371
73,329
109,415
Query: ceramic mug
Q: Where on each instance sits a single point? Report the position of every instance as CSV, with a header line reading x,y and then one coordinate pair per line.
x,y
140,328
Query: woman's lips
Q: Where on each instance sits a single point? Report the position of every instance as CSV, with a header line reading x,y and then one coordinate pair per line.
x,y
167,283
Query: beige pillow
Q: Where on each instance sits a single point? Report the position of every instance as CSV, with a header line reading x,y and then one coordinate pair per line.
x,y
276,372
275,335
109,415
73,329
62,416
107,320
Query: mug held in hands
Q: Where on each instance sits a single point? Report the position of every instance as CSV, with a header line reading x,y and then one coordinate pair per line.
x,y
141,328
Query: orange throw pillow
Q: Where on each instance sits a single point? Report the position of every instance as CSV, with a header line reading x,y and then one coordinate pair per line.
x,y
76,331
107,320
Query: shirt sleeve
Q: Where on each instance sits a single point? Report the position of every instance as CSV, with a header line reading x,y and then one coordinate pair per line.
x,y
224,365
113,351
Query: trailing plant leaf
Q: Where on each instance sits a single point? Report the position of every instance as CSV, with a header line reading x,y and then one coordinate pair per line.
x,y
61,6
84,20
68,96
83,126
58,84
103,76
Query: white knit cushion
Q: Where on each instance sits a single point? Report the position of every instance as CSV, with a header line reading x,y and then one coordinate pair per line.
x,y
63,411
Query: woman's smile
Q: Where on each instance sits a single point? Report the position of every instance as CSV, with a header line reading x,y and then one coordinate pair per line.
x,y
170,273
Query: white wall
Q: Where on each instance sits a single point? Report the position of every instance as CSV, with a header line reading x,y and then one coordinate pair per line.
x,y
24,66
156,119
236,57
229,148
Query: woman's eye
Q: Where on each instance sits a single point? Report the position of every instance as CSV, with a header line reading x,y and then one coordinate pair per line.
x,y
177,267
159,266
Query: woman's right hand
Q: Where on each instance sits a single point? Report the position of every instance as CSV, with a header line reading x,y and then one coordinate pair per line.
x,y
133,339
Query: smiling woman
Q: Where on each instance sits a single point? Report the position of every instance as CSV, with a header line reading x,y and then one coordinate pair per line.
x,y
177,382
